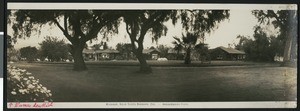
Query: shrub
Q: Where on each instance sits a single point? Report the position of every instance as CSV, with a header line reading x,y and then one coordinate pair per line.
x,y
23,87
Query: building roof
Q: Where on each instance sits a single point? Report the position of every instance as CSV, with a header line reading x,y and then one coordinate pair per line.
x,y
231,50
173,51
146,51
107,51
90,51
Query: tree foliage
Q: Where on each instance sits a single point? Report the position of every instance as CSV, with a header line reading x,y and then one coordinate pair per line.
x,y
125,50
201,49
9,41
30,53
54,49
286,21
202,22
98,46
178,46
163,50
262,47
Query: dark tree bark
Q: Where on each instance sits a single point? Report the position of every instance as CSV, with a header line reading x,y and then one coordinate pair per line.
x,y
177,54
144,67
287,49
287,61
138,50
79,64
188,56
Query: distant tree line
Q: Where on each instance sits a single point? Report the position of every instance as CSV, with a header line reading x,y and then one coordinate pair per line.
x,y
264,47
51,49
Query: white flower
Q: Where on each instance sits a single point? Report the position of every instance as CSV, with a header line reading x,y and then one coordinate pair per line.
x,y
30,86
25,79
28,73
17,77
22,70
31,77
13,93
45,88
21,91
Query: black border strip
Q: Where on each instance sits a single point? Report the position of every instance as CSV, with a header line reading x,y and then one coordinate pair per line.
x,y
164,1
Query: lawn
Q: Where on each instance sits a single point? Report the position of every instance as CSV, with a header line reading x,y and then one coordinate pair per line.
x,y
111,83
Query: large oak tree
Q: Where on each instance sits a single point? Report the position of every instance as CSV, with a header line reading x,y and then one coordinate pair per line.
x,y
78,26
141,22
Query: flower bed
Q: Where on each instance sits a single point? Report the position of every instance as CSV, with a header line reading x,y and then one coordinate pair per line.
x,y
23,87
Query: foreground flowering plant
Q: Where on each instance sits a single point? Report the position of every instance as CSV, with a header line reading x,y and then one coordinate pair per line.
x,y
23,87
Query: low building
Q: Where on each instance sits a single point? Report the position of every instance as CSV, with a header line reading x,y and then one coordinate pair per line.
x,y
151,53
223,53
95,55
175,55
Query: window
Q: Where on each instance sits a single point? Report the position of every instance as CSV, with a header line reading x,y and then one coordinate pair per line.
x,y
154,56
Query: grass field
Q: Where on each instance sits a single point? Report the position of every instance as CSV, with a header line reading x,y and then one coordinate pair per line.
x,y
111,83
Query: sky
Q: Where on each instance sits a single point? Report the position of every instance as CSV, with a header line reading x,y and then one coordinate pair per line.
x,y
240,22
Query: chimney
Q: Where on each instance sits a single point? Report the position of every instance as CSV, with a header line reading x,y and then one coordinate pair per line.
x,y
229,45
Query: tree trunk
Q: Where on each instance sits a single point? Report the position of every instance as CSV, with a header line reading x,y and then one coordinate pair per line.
x,y
127,56
79,64
144,67
287,51
294,49
177,54
188,56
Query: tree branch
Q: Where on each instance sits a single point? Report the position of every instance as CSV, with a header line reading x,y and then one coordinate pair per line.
x,y
63,30
93,32
66,23
127,29
77,27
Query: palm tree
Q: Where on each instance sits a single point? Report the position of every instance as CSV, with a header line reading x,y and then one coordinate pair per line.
x,y
188,42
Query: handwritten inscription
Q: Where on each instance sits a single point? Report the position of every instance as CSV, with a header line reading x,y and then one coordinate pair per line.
x,y
30,105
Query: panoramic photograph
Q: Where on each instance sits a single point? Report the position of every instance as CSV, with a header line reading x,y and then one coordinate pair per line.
x,y
147,55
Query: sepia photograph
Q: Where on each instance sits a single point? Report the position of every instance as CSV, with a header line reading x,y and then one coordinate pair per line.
x,y
151,55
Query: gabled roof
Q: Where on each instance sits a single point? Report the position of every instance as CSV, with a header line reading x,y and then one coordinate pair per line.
x,y
173,51
146,51
107,51
91,51
88,51
231,50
